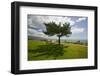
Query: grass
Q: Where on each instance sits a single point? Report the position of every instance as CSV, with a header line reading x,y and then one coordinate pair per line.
x,y
40,50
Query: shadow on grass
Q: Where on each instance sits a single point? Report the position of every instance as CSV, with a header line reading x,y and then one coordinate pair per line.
x,y
48,50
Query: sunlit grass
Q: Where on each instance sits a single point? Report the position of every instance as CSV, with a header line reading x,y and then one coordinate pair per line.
x,y
40,50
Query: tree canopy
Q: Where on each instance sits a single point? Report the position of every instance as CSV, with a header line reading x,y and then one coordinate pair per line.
x,y
56,29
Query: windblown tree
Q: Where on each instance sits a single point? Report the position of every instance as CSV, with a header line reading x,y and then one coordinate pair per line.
x,y
56,29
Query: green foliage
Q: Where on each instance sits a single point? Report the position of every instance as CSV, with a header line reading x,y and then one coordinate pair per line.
x,y
39,50
56,29
66,29
48,50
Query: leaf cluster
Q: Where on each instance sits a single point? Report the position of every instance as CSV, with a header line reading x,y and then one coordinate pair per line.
x,y
56,29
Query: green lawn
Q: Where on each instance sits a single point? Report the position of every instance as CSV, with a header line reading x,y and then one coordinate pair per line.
x,y
40,50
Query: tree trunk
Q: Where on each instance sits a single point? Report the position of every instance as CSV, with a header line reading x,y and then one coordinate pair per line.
x,y
59,40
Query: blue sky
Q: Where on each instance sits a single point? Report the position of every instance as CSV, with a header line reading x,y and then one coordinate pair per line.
x,y
79,25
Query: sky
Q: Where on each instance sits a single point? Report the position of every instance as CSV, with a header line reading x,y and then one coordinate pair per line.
x,y
79,25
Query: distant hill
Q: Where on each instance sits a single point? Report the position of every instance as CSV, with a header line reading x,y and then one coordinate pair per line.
x,y
36,38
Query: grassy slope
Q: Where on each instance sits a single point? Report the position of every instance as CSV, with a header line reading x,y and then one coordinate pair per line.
x,y
72,51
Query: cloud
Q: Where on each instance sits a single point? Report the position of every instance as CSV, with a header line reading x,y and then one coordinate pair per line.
x,y
71,21
41,19
36,23
56,19
32,32
77,30
81,19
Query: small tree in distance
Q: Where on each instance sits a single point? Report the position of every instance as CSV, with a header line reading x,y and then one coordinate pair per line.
x,y
56,29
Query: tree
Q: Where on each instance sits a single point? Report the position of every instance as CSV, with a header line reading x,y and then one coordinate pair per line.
x,y
56,29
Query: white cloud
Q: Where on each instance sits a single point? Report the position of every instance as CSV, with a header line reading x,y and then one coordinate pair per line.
x,y
81,19
36,25
71,21
56,19
33,32
77,30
